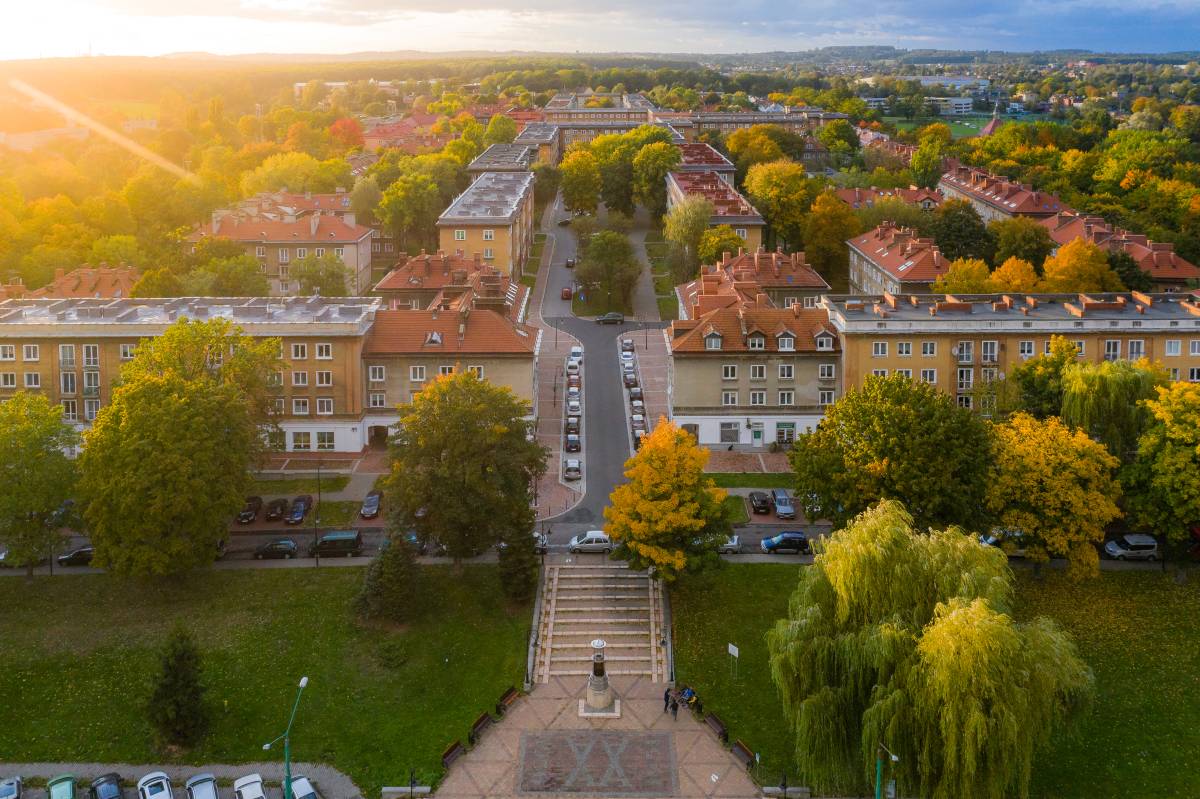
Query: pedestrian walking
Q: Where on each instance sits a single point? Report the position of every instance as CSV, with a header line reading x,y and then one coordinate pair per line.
x,y
674,709
666,700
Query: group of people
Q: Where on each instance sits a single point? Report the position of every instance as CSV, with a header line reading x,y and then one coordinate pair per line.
x,y
674,697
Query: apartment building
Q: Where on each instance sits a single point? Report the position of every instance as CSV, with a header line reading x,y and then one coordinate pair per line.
x,y
925,199
493,217
729,206
420,282
951,106
760,278
701,157
797,120
503,158
960,342
86,281
543,137
1168,270
894,259
750,376
590,106
995,197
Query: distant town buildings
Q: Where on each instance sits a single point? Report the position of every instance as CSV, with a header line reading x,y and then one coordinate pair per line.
x,y
925,199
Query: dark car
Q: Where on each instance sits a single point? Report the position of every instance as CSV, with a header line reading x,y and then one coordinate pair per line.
x,y
610,318
275,509
76,557
573,444
564,222
635,393
569,263
301,505
279,548
759,502
250,512
784,507
348,543
107,786
787,541
630,379
572,425
370,506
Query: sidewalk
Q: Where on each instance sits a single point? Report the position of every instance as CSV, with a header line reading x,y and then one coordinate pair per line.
x,y
645,303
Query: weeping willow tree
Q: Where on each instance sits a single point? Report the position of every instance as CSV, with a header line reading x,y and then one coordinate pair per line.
x,y
1105,400
905,640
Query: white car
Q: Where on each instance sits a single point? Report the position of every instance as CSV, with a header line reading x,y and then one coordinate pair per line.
x,y
572,367
732,546
626,345
576,354
627,367
573,393
574,408
638,408
202,786
249,787
591,541
303,789
637,421
155,785
627,356
572,469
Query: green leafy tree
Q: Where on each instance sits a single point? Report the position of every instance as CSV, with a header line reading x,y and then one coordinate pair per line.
x,y
198,398
1038,382
717,241
895,210
610,265
960,233
1163,490
465,438
965,276
547,179
296,171
829,225
580,181
325,275
161,282
36,474
750,146
500,130
518,565
1129,273
783,194
240,276
176,708
1021,237
926,163
1107,401
895,439
365,198
684,225
394,587
905,638
115,250
651,166
410,207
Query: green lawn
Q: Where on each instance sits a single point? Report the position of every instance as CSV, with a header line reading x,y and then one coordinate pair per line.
x,y
596,305
668,307
299,485
654,236
752,479
1138,630
80,653
662,285
530,276
338,514
736,508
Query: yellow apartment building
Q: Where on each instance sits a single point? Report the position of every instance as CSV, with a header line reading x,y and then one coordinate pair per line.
x,y
493,217
729,206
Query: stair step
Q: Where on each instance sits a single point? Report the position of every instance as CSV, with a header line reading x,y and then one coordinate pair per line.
x,y
588,659
602,608
587,672
640,620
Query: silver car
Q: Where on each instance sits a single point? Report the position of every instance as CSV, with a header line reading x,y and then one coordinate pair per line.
x,y
572,469
155,785
591,541
1133,546
202,786
732,546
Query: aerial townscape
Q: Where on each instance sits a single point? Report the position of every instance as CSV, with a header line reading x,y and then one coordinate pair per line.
x,y
583,405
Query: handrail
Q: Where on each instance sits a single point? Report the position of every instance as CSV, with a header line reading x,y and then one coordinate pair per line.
x,y
668,635
531,650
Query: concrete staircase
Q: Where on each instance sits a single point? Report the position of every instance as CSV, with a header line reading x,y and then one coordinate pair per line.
x,y
607,600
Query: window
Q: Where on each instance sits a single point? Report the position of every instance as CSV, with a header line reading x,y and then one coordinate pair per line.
x,y
300,379
730,432
301,252
338,252
758,398
127,351
325,439
488,254
70,411
284,273
786,397
301,441
787,343
30,352
879,349
300,406
1174,373
66,356
966,379
785,371
1079,347
1112,349
1194,346
68,382
824,398
810,302
758,371
476,370
741,232
460,235
712,341
826,371
966,352
990,351
8,379
928,349
285,255
324,406
91,384
415,373
879,372
964,401
489,234
729,371
1137,348
376,399
260,251
91,356
824,342
325,379
1194,375
8,352
33,380
1173,348
375,373
319,252
324,352
903,349
299,352
904,373
756,342
445,370
929,375
275,379
90,409
988,375
729,398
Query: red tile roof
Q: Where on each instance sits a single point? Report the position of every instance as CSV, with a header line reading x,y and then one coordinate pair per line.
x,y
87,281
313,229
1009,197
477,332
701,155
1157,259
735,325
725,198
742,279
901,253
865,198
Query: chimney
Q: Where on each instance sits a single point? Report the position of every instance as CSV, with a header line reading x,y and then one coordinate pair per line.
x,y
313,222
59,273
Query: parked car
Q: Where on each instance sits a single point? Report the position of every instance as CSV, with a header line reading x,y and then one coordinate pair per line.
x,y
576,353
202,786
628,366
573,443
571,425
566,293
284,548
62,787
627,356
106,786
784,508
638,436
637,421
301,505
303,789
637,407
787,541
574,408
732,546
759,502
631,381
250,511
574,393
155,785
76,557
541,544
1132,546
572,469
248,787
572,368
591,541
11,788
635,393
371,504
1011,541
626,345
569,263
574,381
345,543
564,222
610,318
9,563
276,508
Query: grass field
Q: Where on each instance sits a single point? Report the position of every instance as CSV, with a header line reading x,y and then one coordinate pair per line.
x,y
338,514
736,507
668,307
960,127
597,305
1138,630
299,485
81,651
752,479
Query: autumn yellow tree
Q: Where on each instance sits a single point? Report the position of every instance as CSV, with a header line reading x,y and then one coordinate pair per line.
x,y
828,226
965,276
670,515
1163,487
1015,275
1057,487
1079,266
783,193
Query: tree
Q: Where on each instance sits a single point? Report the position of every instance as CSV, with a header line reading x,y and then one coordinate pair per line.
x,y
651,166
959,231
1128,272
926,163
830,224
783,194
196,398
750,146
898,636
36,474
1056,486
896,211
965,276
465,438
393,587
518,565
500,130
670,515
547,179
685,224
176,708
365,198
1164,494
161,282
1015,276
583,227
295,171
115,250
1039,380
610,265
240,276
580,181
346,133
325,275
894,439
1107,401
717,241
410,207
1021,237
1079,266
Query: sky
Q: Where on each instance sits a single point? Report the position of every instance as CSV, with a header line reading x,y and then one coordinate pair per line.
x,y
50,28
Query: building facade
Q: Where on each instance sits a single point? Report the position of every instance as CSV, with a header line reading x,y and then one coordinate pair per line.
x,y
995,197
895,260
729,206
493,217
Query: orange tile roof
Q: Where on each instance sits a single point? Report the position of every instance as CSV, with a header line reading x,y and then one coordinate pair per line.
x,y
429,271
726,200
742,279
774,269
12,291
87,281
1157,259
901,253
699,155
1009,197
865,198
477,332
735,325
315,229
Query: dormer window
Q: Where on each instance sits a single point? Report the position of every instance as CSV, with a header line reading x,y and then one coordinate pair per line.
x,y
712,341
824,341
787,342
757,342
433,338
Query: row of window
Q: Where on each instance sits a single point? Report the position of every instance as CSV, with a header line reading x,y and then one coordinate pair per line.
x,y
32,353
989,350
416,374
758,371
460,234
786,398
302,440
285,253
300,379
300,406
488,253
324,352
386,246
91,407
785,341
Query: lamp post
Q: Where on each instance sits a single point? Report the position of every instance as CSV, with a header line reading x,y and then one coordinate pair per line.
x,y
317,519
879,768
287,743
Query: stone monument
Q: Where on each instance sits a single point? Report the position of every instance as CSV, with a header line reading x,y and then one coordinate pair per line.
x,y
600,702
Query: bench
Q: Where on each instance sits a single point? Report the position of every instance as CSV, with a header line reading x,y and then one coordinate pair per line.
x,y
482,723
717,726
507,700
453,752
743,754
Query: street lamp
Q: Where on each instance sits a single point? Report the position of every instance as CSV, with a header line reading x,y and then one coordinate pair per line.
x,y
287,743
879,768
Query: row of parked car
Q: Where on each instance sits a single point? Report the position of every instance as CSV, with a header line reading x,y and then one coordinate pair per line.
x,y
630,378
155,785
295,511
573,416
339,543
